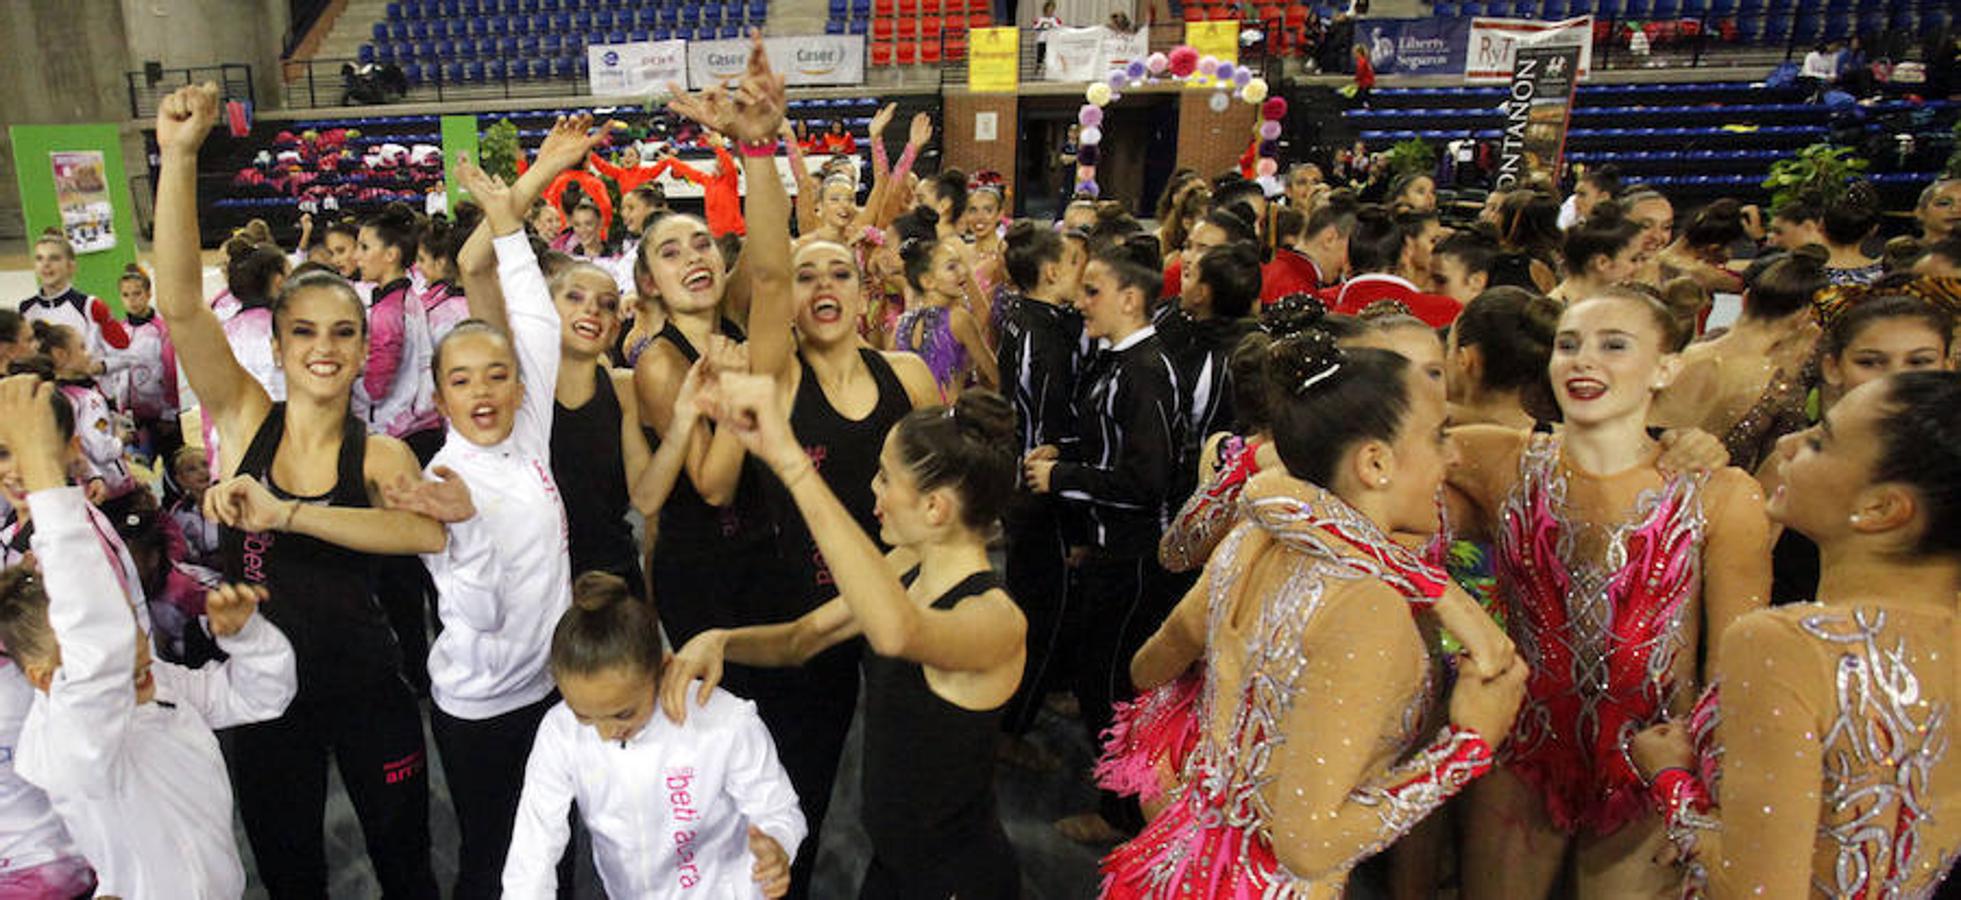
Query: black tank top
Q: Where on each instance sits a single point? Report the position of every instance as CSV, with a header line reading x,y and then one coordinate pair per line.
x,y
845,452
322,594
929,764
591,475
690,525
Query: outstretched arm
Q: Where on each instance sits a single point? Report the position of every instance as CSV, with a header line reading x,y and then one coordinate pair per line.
x,y
570,141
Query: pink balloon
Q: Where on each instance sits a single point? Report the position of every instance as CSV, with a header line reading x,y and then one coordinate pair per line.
x,y
1266,167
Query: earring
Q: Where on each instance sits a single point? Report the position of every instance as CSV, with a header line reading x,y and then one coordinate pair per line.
x,y
1383,481
1857,519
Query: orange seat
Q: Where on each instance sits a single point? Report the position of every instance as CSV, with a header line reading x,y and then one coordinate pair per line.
x,y
908,52
929,51
881,53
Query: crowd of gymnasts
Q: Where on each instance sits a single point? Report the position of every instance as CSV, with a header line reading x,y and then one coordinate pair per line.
x,y
1469,561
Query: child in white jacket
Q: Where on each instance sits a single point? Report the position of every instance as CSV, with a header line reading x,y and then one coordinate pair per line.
x,y
696,810
121,745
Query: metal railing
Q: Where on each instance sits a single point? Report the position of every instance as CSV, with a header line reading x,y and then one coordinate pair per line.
x,y
234,81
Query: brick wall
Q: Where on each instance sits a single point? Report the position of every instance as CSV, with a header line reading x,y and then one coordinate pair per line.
x,y
962,150
1211,142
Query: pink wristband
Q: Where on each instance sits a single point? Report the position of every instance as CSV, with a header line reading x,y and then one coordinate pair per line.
x,y
757,151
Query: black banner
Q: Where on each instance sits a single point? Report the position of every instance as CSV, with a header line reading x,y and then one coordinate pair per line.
x,y
1536,115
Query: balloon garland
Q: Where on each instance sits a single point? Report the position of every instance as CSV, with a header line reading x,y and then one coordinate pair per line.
x,y
1180,65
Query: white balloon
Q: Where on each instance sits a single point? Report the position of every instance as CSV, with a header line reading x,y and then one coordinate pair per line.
x,y
1219,101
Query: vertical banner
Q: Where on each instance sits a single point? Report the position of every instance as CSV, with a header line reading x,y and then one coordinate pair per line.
x,y
1219,40
636,70
1488,60
81,191
1537,110
994,60
459,139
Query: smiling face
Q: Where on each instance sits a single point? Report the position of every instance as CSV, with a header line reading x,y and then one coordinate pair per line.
x,y
1620,267
829,298
588,301
1607,361
477,385
546,221
616,701
1884,347
630,157
1823,469
837,204
684,264
321,341
983,213
1656,216
585,226
54,269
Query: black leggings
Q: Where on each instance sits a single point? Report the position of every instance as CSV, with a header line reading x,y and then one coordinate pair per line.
x,y
279,772
1037,576
483,760
984,869
1123,601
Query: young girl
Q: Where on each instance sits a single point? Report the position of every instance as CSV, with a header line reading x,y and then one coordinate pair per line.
x,y
673,807
146,388
398,326
1602,251
1573,517
946,641
937,323
1819,751
114,738
443,303
99,427
587,241
1304,623
343,241
190,477
300,517
1848,221
1219,302
1117,470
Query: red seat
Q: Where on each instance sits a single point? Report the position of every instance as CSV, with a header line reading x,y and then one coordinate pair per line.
x,y
1195,13
956,26
881,53
908,7
929,51
882,8
929,27
930,7
956,46
980,20
881,29
1224,13
909,27
908,52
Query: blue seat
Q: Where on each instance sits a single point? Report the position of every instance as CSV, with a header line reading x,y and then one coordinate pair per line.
x,y
561,22
1635,9
507,47
616,37
413,71
472,7
663,33
365,55
1555,10
1665,9
548,5
711,13
858,26
380,32
551,45
646,18
637,35
453,72
1838,26
834,26
602,19
729,32
394,12
528,46
494,70
398,31
582,20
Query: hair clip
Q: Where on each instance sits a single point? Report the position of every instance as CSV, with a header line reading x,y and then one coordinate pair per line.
x,y
1318,377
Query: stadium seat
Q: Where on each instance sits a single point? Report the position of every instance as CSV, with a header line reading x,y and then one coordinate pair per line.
x,y
929,51
908,7
956,47
394,12
881,53
365,55
494,71
884,8
857,26
908,53
980,20
380,32
930,7
908,28
882,29
834,26
930,27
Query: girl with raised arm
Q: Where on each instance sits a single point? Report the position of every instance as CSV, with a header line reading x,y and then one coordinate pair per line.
x,y
301,510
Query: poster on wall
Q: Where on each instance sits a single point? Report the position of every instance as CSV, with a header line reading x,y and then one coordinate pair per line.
x,y
82,192
1537,110
1219,40
994,60
1088,54
805,60
1488,59
636,69
1433,46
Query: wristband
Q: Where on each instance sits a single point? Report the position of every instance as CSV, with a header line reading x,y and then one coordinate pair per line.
x,y
762,150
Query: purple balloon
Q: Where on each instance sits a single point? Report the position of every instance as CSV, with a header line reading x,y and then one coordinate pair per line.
x,y
1269,130
1118,79
1089,116
1225,71
1135,70
1088,156
1270,148
1087,187
1241,76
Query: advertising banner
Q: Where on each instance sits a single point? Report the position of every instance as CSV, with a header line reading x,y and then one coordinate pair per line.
x,y
807,60
82,192
636,70
1433,46
1488,59
1537,110
1219,40
1088,54
994,60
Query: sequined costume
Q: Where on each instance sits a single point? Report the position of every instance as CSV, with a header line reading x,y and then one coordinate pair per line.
x,y
1304,620
1830,736
1938,290
1778,411
1600,632
928,331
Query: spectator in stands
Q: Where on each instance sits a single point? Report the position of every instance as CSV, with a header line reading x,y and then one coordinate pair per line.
x,y
1364,75
630,173
1796,223
1939,210
838,140
1595,184
1460,266
721,190
1849,222
1602,251
1048,19
1820,69
1383,249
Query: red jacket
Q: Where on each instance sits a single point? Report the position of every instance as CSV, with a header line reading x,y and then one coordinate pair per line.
x,y
626,178
1355,295
721,192
1288,272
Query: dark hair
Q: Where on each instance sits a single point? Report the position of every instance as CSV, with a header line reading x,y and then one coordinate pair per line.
x,y
1377,242
1529,221
920,223
1606,179
1135,262
1853,216
43,368
1246,366
1238,191
1288,222
1232,272
11,323
917,255
1472,247
1172,186
395,226
1237,225
1337,212
952,185
250,270
1323,398
25,635
1847,327
1718,224
1025,249
317,280
444,237
344,227
466,327
1787,285
1806,207
1513,328
134,272
605,628
1920,447
1606,232
1402,183
51,336
968,447
1948,248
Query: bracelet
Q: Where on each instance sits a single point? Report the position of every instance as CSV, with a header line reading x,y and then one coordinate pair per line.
x,y
791,480
292,509
759,150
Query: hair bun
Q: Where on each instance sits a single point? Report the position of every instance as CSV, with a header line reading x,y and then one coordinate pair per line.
x,y
986,414
1292,314
594,591
1300,362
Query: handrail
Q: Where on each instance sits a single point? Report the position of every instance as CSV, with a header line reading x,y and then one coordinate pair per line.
x,y
234,81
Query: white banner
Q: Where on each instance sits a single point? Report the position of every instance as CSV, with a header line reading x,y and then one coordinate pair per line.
x,y
1488,59
636,70
1088,54
805,60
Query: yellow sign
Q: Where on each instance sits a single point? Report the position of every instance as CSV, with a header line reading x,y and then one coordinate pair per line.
x,y
993,60
1219,40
